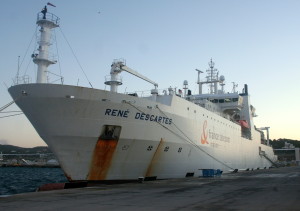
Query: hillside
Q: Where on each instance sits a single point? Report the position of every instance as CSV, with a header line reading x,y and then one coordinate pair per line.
x,y
10,149
279,143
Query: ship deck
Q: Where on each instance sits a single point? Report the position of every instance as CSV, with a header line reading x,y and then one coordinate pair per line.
x,y
268,189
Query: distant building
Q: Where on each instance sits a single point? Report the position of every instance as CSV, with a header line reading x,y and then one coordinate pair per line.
x,y
288,154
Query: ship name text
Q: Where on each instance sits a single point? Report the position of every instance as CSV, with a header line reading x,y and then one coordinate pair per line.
x,y
138,115
153,118
116,112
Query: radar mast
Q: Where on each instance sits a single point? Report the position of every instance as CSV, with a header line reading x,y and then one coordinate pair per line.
x,y
46,21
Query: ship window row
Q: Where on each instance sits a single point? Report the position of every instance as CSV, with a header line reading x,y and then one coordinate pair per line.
x,y
219,121
236,128
226,100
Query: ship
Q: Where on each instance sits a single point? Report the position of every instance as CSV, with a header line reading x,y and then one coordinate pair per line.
x,y
105,135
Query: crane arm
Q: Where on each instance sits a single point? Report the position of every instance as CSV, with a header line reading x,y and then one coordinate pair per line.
x,y
131,71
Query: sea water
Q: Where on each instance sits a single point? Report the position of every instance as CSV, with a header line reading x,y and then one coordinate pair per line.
x,y
14,180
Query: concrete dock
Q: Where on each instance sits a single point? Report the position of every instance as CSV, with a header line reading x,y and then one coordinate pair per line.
x,y
267,189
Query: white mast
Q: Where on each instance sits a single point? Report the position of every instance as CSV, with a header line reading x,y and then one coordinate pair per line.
x,y
213,77
198,81
46,21
185,87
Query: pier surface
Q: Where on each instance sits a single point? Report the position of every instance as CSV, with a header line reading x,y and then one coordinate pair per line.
x,y
270,189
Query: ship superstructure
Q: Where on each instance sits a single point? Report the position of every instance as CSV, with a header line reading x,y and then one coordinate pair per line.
x,y
105,135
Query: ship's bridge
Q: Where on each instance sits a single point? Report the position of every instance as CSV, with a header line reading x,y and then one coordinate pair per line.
x,y
227,103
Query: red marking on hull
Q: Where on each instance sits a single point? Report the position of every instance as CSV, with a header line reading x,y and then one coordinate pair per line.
x,y
53,186
102,158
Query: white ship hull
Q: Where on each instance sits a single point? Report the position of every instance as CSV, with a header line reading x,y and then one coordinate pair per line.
x,y
164,142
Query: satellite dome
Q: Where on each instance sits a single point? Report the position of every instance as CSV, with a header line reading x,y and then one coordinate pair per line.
x,y
185,82
222,78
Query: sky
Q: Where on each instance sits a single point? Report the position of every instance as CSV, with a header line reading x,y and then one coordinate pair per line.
x,y
253,42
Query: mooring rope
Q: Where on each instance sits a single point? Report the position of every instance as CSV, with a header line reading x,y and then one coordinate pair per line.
x,y
7,105
73,52
11,115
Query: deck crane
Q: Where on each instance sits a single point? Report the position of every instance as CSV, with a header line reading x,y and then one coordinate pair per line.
x,y
116,68
267,129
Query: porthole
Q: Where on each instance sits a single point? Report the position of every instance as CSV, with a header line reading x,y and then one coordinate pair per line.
x,y
24,93
179,149
125,147
149,148
166,149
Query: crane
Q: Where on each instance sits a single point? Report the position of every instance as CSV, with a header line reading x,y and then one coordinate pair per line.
x,y
116,68
267,129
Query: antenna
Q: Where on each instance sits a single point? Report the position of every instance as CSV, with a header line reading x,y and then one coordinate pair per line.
x,y
234,85
212,77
